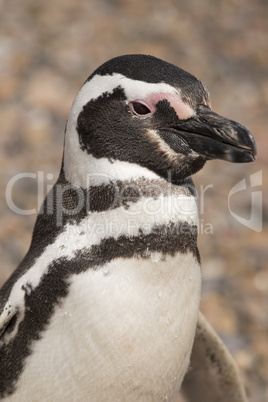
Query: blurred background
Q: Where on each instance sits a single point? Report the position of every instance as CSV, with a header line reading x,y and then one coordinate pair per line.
x,y
49,48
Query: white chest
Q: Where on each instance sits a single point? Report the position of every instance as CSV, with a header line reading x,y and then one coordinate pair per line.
x,y
124,332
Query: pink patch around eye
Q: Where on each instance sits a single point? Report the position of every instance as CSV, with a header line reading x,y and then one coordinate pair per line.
x,y
183,110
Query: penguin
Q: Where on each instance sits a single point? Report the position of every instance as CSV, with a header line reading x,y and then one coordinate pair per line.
x,y
105,304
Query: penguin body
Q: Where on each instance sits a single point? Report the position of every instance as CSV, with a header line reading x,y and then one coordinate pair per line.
x,y
105,305
117,303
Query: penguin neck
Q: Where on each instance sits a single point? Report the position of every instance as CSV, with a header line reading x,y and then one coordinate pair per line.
x,y
130,190
91,184
156,214
89,171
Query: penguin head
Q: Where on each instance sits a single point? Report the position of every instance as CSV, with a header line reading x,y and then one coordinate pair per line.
x,y
140,111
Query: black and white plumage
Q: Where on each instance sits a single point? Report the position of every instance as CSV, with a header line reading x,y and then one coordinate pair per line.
x,y
104,307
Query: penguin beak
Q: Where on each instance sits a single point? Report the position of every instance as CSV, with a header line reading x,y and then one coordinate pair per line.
x,y
216,137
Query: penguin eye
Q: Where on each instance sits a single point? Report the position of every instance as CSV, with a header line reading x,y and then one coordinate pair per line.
x,y
139,109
